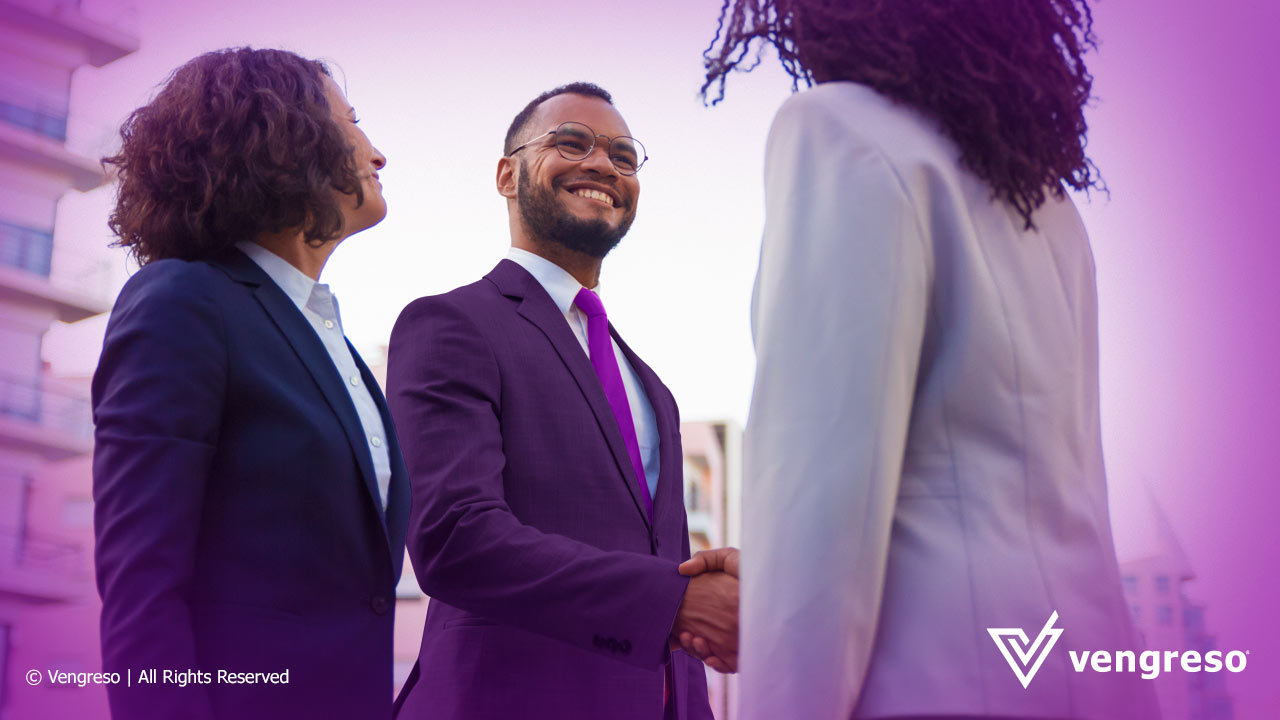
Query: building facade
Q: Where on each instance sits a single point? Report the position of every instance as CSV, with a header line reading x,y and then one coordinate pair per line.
x,y
712,500
47,598
1154,575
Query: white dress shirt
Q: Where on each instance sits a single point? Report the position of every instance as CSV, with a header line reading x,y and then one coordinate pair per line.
x,y
319,306
563,288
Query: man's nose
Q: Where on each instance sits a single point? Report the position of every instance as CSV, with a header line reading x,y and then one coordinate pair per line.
x,y
598,159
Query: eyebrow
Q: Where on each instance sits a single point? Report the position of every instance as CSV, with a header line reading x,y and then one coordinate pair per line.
x,y
574,132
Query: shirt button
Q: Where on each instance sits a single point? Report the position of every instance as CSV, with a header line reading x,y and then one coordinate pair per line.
x,y
355,381
328,324
376,441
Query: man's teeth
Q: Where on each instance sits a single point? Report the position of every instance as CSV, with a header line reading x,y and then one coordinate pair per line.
x,y
594,195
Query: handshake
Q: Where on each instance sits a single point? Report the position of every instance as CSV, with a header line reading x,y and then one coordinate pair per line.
x,y
706,625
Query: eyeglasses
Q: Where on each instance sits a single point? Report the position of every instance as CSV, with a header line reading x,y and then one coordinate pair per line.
x,y
575,141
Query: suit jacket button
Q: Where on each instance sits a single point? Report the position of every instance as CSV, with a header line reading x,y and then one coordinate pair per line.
x,y
380,604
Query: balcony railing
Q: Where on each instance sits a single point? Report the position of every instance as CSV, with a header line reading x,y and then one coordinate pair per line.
x,y
47,404
42,554
26,248
43,569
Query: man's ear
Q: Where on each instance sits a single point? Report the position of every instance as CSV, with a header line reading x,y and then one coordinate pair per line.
x,y
506,180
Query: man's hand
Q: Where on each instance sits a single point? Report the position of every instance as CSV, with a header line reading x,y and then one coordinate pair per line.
x,y
709,613
725,559
707,623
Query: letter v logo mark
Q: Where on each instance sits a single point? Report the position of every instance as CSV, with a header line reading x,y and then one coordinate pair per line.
x,y
1023,650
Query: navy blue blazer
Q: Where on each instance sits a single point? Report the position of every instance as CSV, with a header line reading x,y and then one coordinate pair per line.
x,y
236,515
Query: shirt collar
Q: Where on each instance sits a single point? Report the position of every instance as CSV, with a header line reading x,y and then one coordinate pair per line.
x,y
559,284
291,280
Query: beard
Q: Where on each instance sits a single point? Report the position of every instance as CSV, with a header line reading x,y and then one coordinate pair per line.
x,y
547,219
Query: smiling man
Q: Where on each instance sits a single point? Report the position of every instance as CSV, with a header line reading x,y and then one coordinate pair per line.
x,y
544,456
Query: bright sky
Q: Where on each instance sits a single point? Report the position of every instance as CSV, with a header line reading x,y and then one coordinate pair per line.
x,y
1182,132
435,89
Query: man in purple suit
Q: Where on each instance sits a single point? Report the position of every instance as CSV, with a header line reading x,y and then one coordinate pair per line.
x,y
544,456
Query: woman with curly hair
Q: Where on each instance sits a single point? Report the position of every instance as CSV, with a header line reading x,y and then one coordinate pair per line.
x,y
250,497
923,451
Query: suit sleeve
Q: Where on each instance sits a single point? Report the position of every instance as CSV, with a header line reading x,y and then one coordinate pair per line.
x,y
468,549
157,402
838,321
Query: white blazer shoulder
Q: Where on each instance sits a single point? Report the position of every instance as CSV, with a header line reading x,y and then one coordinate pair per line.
x,y
923,451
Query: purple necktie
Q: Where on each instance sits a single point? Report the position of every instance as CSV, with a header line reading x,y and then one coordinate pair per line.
x,y
600,348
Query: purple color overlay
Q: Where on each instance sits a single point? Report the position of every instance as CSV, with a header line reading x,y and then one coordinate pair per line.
x,y
1187,251
1187,254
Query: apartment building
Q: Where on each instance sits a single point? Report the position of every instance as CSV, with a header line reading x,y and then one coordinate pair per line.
x,y
47,596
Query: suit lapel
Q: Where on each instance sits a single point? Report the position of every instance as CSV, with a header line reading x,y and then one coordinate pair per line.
x,y
393,448
538,308
664,413
310,350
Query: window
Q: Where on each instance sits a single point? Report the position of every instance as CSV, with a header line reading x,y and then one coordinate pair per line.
x,y
26,248
1164,615
697,486
46,123
1130,584
13,519
20,376
1193,619
1162,584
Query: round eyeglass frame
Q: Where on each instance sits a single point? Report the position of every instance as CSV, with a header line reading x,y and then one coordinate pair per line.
x,y
644,155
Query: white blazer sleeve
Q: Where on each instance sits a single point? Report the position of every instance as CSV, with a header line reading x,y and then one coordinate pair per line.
x,y
838,320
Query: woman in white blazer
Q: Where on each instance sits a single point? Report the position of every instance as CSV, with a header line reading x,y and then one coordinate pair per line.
x,y
923,451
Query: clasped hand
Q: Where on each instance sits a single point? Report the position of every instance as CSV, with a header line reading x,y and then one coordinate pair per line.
x,y
706,625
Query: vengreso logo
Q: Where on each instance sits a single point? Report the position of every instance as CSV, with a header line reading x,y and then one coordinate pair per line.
x,y
1022,655
1150,662
1025,657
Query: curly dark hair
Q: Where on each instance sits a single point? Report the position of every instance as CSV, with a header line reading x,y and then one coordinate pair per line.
x,y
236,143
1005,78
522,118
